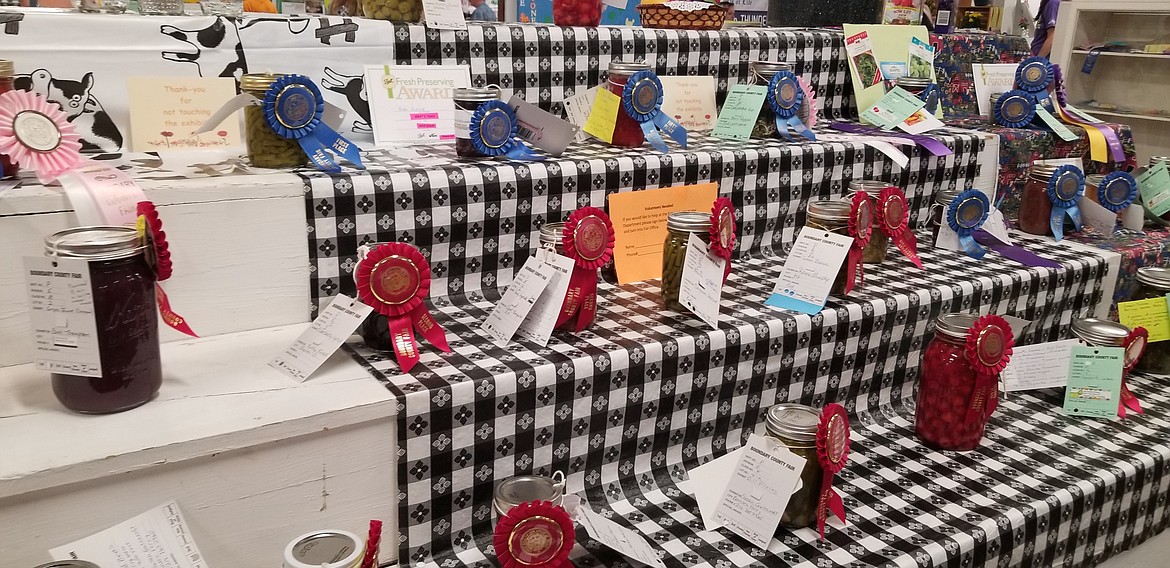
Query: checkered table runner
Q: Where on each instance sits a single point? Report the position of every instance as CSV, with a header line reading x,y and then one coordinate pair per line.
x,y
646,391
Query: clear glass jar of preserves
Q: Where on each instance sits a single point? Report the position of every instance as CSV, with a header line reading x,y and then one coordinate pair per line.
x,y
879,242
679,226
586,13
160,7
795,425
938,210
832,216
467,99
266,148
7,78
407,11
626,131
946,385
1155,283
761,74
1035,208
124,308
519,489
920,87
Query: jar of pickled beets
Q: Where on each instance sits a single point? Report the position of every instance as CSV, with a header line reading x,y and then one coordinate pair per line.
x,y
946,388
467,99
626,132
585,13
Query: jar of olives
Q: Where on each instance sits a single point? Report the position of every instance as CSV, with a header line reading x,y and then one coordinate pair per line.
x,y
879,242
626,131
832,216
266,148
393,10
679,226
761,74
795,425
938,210
1155,283
1035,207
467,100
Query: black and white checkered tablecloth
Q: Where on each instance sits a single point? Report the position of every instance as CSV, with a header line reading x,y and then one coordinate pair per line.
x,y
645,392
477,221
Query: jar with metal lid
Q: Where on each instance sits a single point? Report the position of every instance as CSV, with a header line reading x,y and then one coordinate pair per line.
x,y
946,386
407,11
626,131
1155,160
124,308
7,78
1099,333
679,226
551,237
879,242
920,87
69,564
938,210
527,488
832,216
266,148
1155,283
467,99
1035,207
325,549
761,74
160,7
994,100
795,425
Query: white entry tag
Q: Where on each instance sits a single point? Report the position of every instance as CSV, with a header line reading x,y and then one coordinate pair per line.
x,y
622,540
1039,366
541,320
62,315
518,301
702,282
759,490
322,338
1099,218
809,271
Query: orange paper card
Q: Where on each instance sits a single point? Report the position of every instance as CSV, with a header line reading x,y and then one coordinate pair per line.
x,y
639,220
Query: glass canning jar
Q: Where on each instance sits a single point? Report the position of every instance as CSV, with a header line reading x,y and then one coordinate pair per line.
x,y
626,131
266,148
679,226
832,216
550,237
127,320
1155,283
585,13
795,425
946,385
1035,207
917,86
160,7
467,99
407,11
7,78
519,489
761,74
938,210
879,242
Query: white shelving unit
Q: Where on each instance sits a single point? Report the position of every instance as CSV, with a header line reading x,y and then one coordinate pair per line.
x,y
1137,85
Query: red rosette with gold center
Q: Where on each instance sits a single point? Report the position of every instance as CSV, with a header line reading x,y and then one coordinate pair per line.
x,y
158,256
722,232
832,454
534,535
1135,345
860,228
894,220
989,348
394,279
589,240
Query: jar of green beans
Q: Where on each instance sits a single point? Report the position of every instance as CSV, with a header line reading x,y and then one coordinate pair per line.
x,y
832,216
879,242
680,225
266,148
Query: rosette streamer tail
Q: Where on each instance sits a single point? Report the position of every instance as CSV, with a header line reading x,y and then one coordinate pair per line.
x,y
908,244
169,317
854,269
830,502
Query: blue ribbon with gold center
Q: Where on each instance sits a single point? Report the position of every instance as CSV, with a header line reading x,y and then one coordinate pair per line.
x,y
293,107
1116,191
1033,76
785,97
1015,109
642,100
493,129
965,215
1064,190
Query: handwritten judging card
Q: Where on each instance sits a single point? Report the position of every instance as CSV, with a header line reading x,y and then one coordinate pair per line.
x,y
317,343
809,271
158,538
759,490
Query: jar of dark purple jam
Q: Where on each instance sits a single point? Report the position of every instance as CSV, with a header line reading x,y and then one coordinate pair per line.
x,y
126,316
467,100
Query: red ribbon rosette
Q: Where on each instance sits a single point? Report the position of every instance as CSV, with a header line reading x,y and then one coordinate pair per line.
x,y
860,227
534,535
158,256
1135,345
895,222
394,279
588,239
723,232
832,454
989,348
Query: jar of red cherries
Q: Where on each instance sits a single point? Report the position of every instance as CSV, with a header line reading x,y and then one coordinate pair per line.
x,y
958,385
626,131
585,13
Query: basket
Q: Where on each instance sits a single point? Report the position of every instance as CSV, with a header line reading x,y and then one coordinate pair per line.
x,y
664,17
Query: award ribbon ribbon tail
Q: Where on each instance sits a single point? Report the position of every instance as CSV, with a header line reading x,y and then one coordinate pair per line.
x,y
782,128
338,144
169,317
588,303
908,244
931,145
1014,252
1128,400
1100,137
672,128
853,269
969,244
1057,220
318,154
573,296
430,329
650,131
402,338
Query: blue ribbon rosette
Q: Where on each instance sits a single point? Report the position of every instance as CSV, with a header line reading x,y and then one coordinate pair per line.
x,y
293,107
1015,109
1064,190
642,100
493,129
785,97
1117,191
965,215
1033,76
930,95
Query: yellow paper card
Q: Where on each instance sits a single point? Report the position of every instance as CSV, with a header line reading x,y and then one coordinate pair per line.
x,y
1152,314
639,221
604,115
164,111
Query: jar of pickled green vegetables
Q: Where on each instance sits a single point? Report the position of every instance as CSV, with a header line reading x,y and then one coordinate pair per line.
x,y
795,425
266,148
832,216
408,11
879,242
761,74
1155,283
680,225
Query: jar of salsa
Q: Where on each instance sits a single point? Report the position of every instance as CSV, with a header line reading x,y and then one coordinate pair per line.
x,y
124,308
1035,207
7,77
266,148
467,99
585,13
761,74
1155,283
879,242
938,210
626,131
795,425
679,226
832,216
946,386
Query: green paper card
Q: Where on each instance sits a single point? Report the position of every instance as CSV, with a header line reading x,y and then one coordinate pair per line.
x,y
1060,129
1094,381
740,111
1155,189
893,109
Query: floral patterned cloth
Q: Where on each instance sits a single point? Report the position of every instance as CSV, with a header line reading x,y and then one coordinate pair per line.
x,y
1137,250
954,54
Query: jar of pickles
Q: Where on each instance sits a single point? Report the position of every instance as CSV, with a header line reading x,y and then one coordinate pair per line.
x,y
1155,283
126,315
795,425
938,210
467,100
266,148
680,225
832,216
626,131
585,13
761,74
407,11
879,242
7,77
1035,207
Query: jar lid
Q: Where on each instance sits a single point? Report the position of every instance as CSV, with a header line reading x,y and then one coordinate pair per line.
x,y
834,210
94,243
913,82
793,421
7,69
769,68
869,185
1100,333
1094,180
955,325
1154,277
525,488
551,233
476,94
1043,172
324,549
946,196
627,67
69,564
258,82
1155,159
689,221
